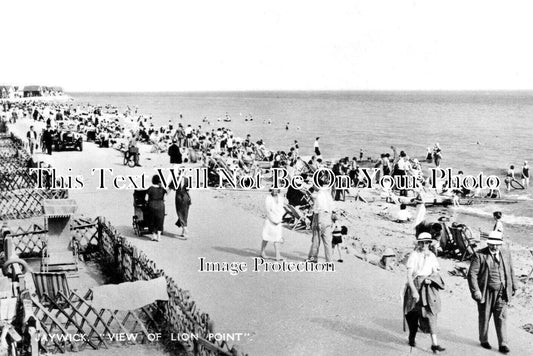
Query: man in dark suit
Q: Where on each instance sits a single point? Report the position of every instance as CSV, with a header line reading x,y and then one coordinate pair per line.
x,y
174,152
47,139
492,284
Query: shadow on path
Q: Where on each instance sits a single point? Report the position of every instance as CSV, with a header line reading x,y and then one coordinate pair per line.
x,y
374,337
249,252
395,326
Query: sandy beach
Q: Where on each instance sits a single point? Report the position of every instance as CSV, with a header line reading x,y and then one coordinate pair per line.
x,y
354,310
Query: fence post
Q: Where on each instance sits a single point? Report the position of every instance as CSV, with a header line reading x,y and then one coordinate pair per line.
x,y
116,247
123,253
99,229
133,262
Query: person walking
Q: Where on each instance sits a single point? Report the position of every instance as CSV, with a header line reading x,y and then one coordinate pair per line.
x,y
421,297
492,283
317,147
32,139
525,175
133,149
47,139
498,225
272,228
179,135
322,224
509,178
182,201
437,154
156,207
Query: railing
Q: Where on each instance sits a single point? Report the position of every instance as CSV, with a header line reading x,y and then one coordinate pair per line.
x,y
30,241
26,203
181,314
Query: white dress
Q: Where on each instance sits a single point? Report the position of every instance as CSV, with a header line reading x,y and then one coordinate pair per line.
x,y
275,211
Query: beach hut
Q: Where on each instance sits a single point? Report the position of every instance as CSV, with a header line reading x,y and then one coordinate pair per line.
x,y
32,90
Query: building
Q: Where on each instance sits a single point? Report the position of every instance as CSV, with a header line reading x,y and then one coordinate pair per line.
x,y
33,90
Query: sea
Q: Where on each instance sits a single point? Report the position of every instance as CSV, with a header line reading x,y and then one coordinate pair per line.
x,y
478,131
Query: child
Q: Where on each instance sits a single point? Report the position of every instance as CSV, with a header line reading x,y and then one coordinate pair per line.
x,y
498,225
525,175
337,236
455,199
509,178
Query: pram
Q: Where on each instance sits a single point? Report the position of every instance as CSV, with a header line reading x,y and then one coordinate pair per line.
x,y
140,213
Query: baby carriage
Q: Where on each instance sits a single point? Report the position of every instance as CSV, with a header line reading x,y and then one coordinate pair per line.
x,y
140,213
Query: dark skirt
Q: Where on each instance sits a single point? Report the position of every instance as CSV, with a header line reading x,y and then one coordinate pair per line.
x,y
156,210
182,202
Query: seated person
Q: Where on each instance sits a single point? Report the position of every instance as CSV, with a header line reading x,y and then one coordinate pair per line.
x,y
296,197
434,228
494,194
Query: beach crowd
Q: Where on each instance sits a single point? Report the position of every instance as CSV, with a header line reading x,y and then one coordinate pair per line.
x,y
491,278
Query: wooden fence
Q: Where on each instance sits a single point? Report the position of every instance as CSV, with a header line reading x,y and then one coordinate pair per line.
x,y
17,178
19,199
30,241
26,203
181,315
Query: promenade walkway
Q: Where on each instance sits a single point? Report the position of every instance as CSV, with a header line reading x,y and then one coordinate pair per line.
x,y
353,311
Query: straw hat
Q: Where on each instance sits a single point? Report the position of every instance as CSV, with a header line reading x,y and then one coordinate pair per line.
x,y
495,238
424,236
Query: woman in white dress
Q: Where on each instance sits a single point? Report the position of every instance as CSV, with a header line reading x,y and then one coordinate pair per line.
x,y
272,227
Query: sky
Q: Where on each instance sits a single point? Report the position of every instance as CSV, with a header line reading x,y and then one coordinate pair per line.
x,y
116,45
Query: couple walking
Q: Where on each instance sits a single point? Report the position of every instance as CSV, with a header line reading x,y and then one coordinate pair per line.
x,y
490,278
156,206
322,224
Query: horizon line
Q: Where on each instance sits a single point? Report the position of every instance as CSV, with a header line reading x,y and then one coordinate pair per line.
x,y
307,91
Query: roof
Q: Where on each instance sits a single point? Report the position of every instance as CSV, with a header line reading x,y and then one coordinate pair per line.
x,y
58,208
32,88
56,88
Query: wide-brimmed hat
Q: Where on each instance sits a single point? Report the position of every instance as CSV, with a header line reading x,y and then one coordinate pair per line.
x,y
495,238
424,236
